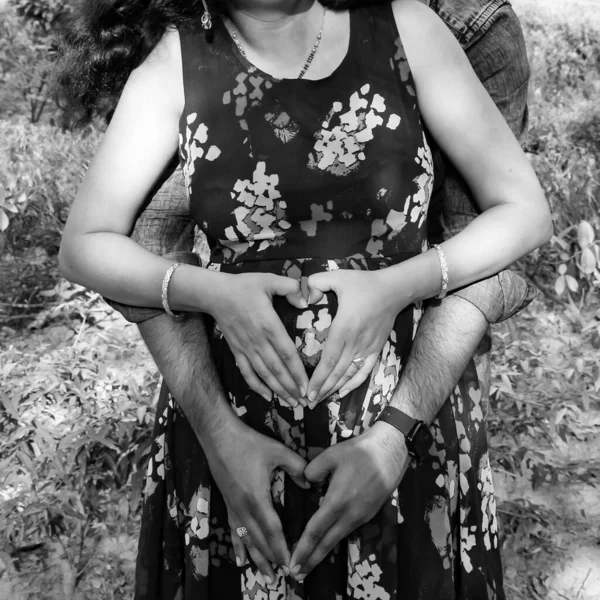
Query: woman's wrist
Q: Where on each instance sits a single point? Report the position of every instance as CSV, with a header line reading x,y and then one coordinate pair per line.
x,y
195,289
426,272
415,279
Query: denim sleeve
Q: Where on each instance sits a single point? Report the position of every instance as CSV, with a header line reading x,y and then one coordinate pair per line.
x,y
164,227
499,59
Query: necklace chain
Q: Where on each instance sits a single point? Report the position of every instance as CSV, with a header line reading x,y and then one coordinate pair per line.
x,y
309,60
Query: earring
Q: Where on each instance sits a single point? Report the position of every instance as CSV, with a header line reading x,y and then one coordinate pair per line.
x,y
206,17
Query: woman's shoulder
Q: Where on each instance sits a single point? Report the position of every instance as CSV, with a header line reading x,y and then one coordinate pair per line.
x,y
425,37
166,54
414,11
415,19
160,76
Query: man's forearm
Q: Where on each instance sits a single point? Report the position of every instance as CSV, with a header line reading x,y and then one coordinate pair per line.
x,y
182,353
446,340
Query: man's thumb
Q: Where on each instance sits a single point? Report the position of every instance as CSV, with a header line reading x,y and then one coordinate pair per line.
x,y
320,468
293,464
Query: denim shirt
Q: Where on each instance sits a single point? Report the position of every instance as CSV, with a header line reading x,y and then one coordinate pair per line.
x,y
467,19
165,226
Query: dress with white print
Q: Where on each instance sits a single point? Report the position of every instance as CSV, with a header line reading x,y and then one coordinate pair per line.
x,y
295,177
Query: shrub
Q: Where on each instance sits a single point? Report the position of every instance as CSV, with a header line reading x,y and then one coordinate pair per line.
x,y
26,54
41,168
45,14
76,430
564,146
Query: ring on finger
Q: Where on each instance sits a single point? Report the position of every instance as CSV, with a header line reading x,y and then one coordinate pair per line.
x,y
241,532
359,363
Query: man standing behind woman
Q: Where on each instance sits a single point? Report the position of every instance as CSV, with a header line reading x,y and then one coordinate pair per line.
x,y
457,556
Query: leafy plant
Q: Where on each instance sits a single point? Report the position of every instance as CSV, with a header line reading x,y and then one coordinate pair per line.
x,y
76,433
41,168
25,66
584,264
44,13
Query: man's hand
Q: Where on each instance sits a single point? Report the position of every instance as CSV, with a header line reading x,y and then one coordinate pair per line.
x,y
363,473
242,463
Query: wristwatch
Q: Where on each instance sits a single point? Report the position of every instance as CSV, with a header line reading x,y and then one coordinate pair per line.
x,y
417,434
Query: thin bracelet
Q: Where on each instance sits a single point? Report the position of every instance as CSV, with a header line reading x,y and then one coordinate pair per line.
x,y
444,268
165,291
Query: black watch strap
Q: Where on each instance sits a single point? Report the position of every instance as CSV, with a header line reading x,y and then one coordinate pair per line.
x,y
398,419
416,433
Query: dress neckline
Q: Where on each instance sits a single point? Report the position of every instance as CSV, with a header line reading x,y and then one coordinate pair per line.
x,y
251,68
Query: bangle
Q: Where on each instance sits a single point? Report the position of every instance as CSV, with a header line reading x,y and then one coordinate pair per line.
x,y
165,291
444,268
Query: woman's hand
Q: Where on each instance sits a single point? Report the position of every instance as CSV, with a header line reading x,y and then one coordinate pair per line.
x,y
367,308
242,305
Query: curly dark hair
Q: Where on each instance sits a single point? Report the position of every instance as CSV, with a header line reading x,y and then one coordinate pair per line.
x,y
102,41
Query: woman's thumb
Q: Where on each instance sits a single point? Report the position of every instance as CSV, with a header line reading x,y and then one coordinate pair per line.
x,y
318,284
282,286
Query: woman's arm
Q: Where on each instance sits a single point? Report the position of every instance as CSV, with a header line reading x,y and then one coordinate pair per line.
x,y
96,251
472,133
139,143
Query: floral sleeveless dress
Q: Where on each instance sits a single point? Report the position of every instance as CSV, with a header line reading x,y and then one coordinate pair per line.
x,y
295,177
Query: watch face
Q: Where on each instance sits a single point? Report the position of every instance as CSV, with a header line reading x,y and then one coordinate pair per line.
x,y
420,441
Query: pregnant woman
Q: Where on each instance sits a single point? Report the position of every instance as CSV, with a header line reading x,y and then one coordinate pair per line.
x,y
305,138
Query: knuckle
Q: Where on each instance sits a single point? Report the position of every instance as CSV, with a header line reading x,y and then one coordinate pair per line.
x,y
273,530
313,536
287,356
356,518
330,361
337,509
249,374
262,372
276,369
262,330
337,374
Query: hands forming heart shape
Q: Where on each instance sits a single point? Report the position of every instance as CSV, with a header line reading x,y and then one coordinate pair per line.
x,y
268,358
362,472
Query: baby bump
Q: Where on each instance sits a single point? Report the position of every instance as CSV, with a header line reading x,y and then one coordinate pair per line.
x,y
309,327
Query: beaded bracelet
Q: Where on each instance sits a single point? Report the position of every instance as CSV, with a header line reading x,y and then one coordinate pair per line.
x,y
444,268
165,291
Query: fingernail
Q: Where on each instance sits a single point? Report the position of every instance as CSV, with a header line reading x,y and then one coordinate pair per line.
x,y
343,393
286,571
293,402
300,579
268,580
303,303
303,391
312,396
296,570
238,562
267,397
303,402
